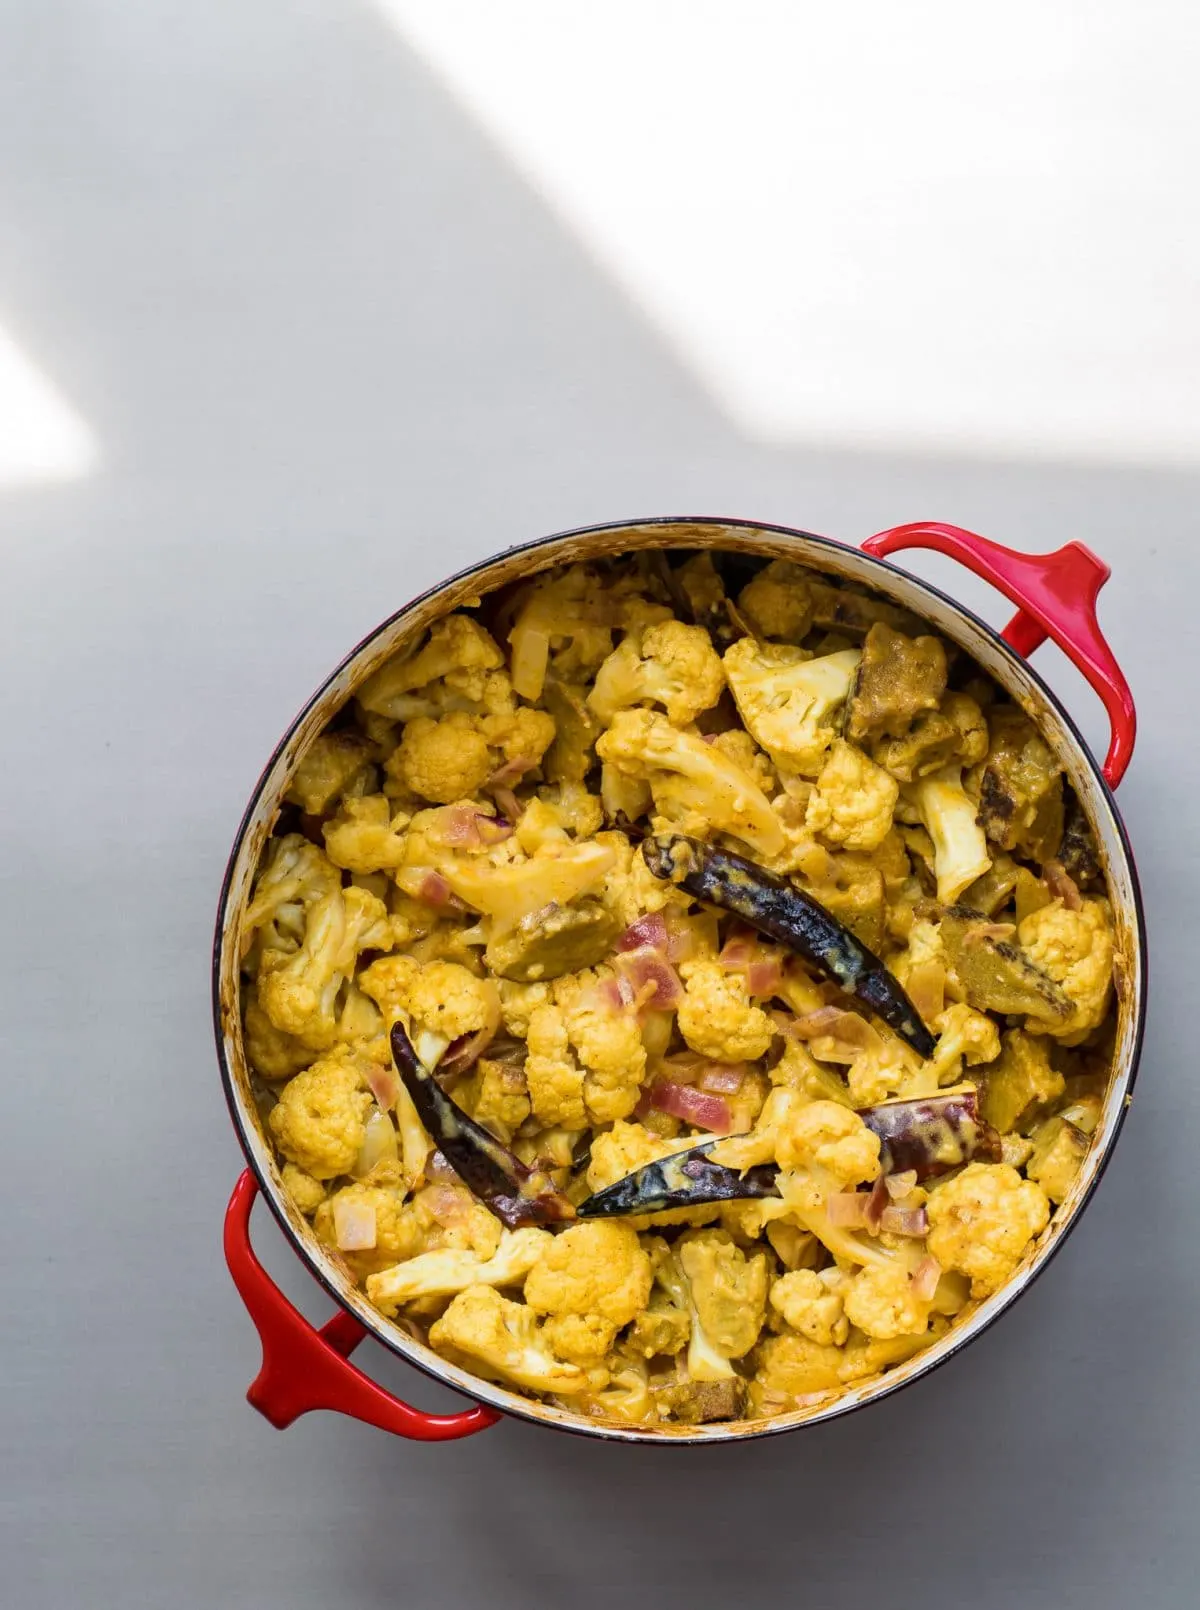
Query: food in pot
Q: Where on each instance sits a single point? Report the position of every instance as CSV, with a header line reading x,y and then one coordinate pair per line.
x,y
679,991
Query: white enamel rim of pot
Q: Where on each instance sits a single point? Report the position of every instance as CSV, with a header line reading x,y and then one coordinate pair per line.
x,y
949,618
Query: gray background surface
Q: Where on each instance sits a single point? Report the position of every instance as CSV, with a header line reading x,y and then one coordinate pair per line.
x,y
335,350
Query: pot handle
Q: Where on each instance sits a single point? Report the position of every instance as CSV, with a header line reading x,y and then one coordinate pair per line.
x,y
1055,594
304,1368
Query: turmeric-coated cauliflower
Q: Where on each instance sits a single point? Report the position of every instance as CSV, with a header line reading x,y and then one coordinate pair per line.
x,y
717,1017
778,600
320,1119
677,668
592,1279
306,1192
367,835
790,702
299,992
333,765
442,998
1076,949
443,759
491,1334
458,654
829,1137
296,875
728,1290
812,1304
452,1269
883,1304
981,1221
586,1059
686,774
852,804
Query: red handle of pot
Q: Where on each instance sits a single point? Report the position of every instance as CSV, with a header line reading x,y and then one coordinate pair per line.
x,y
304,1368
1055,594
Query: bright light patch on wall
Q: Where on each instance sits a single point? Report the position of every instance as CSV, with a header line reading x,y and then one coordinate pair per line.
x,y
925,225
41,436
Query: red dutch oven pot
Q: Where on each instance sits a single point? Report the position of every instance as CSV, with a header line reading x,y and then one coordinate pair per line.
x,y
306,1368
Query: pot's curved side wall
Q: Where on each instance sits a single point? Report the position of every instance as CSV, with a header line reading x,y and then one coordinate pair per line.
x,y
948,618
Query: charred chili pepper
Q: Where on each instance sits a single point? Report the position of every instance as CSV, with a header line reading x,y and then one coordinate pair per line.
x,y
779,910
684,1178
930,1136
516,1194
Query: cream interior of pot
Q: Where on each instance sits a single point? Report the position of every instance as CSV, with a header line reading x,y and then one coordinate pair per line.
x,y
847,564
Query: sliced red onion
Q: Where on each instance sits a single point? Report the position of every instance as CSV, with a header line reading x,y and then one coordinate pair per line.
x,y
904,1221
847,1210
430,888
925,1280
876,1207
1062,885
693,1106
509,804
722,1078
764,976
448,1205
354,1228
639,968
831,1022
464,1052
439,1167
510,772
649,931
459,825
385,1086
738,952
625,991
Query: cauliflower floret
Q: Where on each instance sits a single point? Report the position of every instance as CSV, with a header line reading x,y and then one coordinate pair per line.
x,y
554,1078
451,1270
795,1366
482,1328
319,1122
812,1304
306,1192
677,668
949,816
299,992
496,1096
586,1059
272,1054
1076,949
561,624
827,1136
458,654
881,1302
630,888
441,998
717,1018
628,1146
687,774
443,759
737,745
853,801
728,1290
296,875
593,1279
779,600
508,893
964,1035
372,1226
517,1004
981,1221
367,835
790,702
334,764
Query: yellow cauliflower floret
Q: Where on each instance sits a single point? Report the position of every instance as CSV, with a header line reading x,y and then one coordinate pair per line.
x,y
811,1303
717,1018
448,1270
794,1366
595,1273
395,1229
981,1221
677,667
522,734
687,775
827,1136
320,1119
296,875
458,654
334,764
440,997
964,1035
580,1338
790,702
554,1077
779,600
299,992
444,759
1076,949
367,835
496,1096
306,1192
272,1054
630,888
881,1302
489,1333
728,1290
517,1003
852,804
